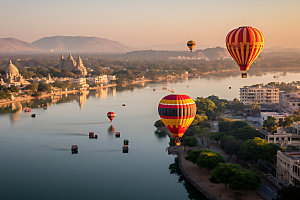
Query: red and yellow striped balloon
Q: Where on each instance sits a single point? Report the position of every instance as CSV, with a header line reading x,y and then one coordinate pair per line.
x,y
244,45
177,112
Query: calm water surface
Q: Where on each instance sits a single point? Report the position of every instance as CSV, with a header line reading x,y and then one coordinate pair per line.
x,y
35,158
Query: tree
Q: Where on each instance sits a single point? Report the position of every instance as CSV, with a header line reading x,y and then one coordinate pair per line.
x,y
206,106
33,87
258,149
255,107
209,159
250,150
288,121
44,87
189,141
270,124
192,155
244,180
223,172
231,145
216,136
236,106
199,118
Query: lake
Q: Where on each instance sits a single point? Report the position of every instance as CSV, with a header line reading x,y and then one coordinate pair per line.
x,y
37,164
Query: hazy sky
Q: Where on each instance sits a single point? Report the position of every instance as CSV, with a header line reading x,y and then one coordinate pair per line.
x,y
143,23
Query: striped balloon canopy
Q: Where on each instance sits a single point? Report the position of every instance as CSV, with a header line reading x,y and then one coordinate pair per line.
x,y
244,45
111,116
191,44
177,112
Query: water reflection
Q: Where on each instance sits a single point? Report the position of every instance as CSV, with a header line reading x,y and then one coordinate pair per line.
x,y
160,134
193,193
111,130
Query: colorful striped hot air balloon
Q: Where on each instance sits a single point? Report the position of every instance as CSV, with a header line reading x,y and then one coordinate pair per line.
x,y
191,44
111,116
177,112
244,45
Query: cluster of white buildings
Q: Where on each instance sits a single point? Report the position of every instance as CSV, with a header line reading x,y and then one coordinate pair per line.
x,y
282,104
13,77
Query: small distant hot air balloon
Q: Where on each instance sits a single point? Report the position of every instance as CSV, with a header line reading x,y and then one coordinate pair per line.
x,y
244,45
191,44
111,116
177,112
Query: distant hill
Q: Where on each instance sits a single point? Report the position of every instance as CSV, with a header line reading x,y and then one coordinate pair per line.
x,y
13,45
207,54
80,44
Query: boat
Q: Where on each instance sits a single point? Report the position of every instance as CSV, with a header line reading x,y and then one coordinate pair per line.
x,y
74,149
92,135
118,134
123,104
126,142
125,148
26,109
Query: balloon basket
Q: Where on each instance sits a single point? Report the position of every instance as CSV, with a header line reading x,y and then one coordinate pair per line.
x,y
244,75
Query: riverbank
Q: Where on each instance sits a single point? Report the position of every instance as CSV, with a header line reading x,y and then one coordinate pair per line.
x,y
199,178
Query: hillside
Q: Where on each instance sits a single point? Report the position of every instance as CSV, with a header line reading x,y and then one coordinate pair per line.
x,y
207,54
80,44
12,45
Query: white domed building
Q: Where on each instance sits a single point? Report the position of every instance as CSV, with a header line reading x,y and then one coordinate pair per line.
x,y
13,77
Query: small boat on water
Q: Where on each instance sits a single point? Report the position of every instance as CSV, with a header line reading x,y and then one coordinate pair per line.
x,y
125,148
164,88
154,89
92,135
26,109
123,104
126,142
74,149
173,90
118,134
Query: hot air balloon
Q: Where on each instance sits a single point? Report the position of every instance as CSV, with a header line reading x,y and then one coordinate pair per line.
x,y
244,45
111,116
177,112
191,44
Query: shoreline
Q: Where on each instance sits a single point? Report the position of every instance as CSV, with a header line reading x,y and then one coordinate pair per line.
x,y
199,178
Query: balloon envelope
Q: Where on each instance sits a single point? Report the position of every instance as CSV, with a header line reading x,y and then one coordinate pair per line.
x,y
177,112
244,45
191,44
111,116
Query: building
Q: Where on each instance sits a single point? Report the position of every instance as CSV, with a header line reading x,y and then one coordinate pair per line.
x,y
13,77
72,65
276,115
259,94
288,167
287,136
111,78
289,102
99,79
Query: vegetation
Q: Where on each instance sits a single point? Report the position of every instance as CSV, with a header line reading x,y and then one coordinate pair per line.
x,y
205,158
258,149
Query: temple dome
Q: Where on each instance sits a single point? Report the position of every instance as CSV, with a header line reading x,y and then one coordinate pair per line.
x,y
11,69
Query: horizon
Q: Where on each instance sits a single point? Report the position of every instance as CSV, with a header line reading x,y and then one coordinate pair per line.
x,y
144,24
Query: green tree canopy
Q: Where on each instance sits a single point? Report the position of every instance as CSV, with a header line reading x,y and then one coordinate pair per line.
x,y
223,172
244,180
209,159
